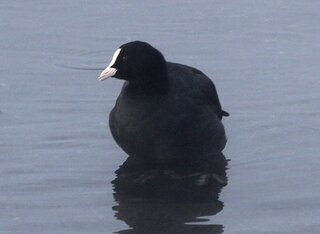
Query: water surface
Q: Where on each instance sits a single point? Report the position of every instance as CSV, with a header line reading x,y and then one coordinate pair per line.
x,y
58,159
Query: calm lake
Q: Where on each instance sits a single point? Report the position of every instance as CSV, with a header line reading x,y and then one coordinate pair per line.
x,y
58,160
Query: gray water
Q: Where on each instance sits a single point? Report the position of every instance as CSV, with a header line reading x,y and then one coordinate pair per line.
x,y
57,155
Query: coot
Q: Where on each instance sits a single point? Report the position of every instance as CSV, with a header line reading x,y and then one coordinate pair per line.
x,y
166,112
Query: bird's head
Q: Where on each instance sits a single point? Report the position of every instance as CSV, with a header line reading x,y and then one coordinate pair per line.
x,y
137,62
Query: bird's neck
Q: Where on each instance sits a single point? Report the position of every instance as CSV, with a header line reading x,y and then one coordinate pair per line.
x,y
152,81
156,85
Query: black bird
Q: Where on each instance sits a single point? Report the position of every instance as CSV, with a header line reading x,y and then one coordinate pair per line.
x,y
166,112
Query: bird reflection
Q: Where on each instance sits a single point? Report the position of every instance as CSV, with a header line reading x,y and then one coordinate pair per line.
x,y
169,199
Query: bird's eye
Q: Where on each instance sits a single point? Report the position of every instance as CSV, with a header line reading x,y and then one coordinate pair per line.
x,y
125,58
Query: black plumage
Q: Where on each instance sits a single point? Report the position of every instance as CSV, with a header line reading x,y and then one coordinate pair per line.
x,y
166,112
